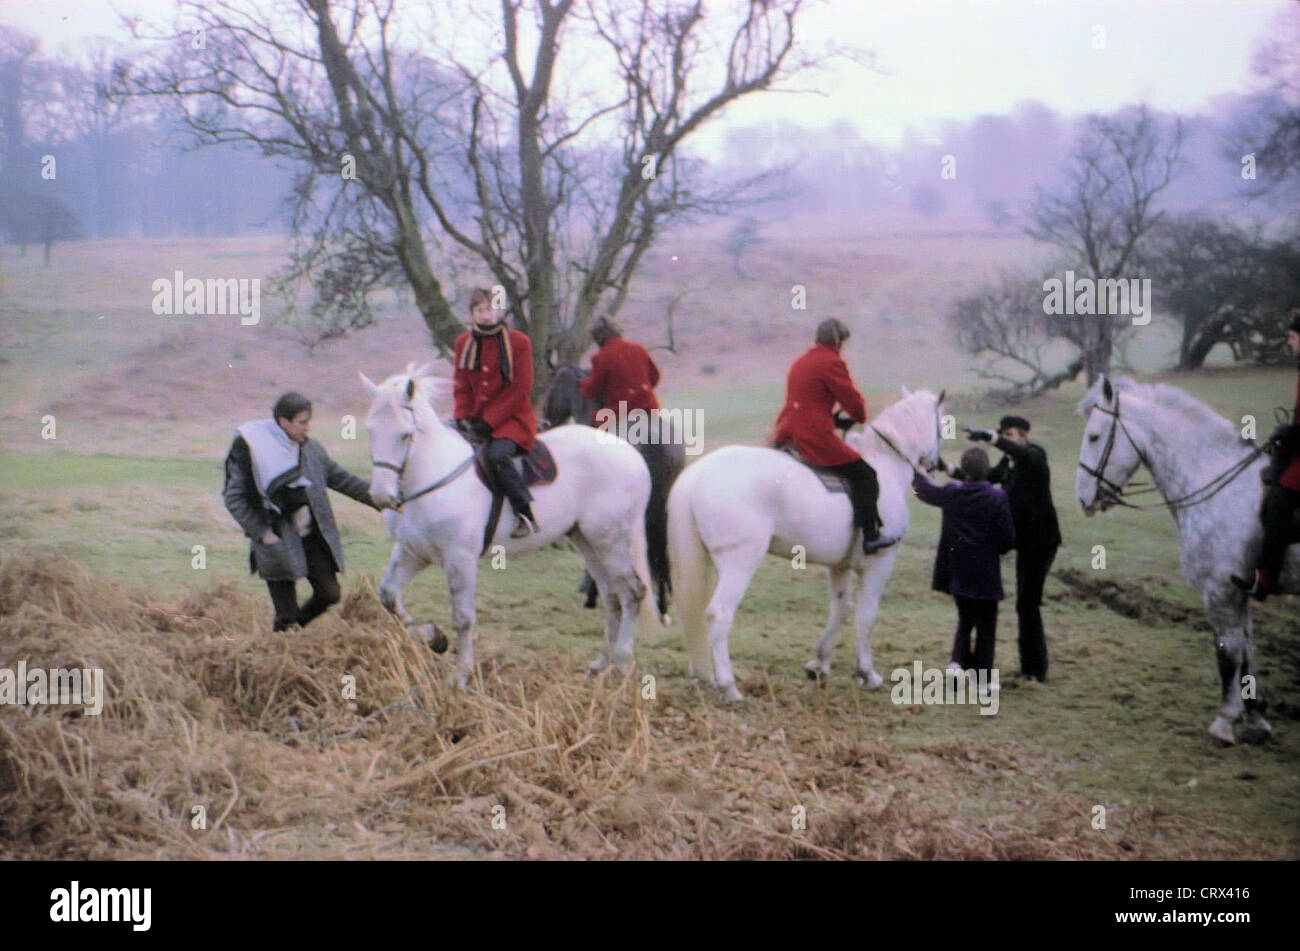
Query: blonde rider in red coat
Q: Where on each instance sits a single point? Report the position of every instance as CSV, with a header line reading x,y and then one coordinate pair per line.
x,y
493,382
817,382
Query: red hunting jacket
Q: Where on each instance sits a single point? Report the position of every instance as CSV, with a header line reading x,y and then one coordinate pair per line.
x,y
817,381
622,371
1290,477
482,393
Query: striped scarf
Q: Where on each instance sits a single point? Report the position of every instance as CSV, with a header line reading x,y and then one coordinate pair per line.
x,y
472,356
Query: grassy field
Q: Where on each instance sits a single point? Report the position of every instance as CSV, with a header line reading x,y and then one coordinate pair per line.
x,y
145,409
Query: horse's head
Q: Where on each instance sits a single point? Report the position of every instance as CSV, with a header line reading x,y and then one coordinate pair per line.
x,y
914,425
1108,456
400,408
564,399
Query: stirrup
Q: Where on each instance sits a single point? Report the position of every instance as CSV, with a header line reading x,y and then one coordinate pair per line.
x,y
873,545
525,527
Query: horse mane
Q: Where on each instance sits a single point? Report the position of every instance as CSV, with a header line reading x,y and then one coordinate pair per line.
x,y
902,420
1168,397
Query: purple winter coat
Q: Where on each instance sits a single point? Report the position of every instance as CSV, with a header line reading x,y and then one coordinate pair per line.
x,y
977,529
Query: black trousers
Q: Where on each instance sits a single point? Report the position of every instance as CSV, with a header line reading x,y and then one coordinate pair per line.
x,y
499,455
864,491
1032,566
980,615
1280,505
324,585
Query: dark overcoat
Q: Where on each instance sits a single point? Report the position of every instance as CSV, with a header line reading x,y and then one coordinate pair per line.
x,y
286,560
1024,473
977,529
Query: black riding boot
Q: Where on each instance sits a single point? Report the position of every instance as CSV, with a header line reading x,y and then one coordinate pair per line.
x,y
500,456
864,491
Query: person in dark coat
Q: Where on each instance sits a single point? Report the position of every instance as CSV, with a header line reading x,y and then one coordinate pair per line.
x,y
493,383
977,529
276,481
1281,479
816,383
1024,472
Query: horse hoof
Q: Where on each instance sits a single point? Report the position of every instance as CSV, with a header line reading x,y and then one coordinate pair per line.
x,y
1256,731
434,637
1221,730
597,665
868,680
623,664
730,695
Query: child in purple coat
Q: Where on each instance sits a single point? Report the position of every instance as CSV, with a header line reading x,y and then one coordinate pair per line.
x,y
977,530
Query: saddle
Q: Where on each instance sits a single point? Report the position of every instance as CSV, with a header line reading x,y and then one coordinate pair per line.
x,y
538,467
833,481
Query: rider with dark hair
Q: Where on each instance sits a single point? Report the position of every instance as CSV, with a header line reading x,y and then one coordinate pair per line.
x,y
621,371
1282,477
817,381
493,382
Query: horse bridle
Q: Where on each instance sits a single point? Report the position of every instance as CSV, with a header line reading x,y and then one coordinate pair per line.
x,y
938,438
401,470
1114,493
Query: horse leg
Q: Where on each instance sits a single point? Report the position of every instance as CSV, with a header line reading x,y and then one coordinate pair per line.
x,y
402,567
1254,729
1227,611
841,585
622,591
462,580
874,577
736,567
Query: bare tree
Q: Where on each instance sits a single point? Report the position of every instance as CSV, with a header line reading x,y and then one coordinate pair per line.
x,y
1271,135
1105,209
1004,324
558,196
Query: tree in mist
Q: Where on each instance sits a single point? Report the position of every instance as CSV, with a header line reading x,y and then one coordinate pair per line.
x,y
557,190
1003,324
1105,210
1270,132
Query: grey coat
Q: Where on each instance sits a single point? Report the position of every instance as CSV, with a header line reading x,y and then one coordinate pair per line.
x,y
286,560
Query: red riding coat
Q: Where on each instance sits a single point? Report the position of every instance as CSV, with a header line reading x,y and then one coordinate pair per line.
x,y
622,371
1290,477
817,381
506,407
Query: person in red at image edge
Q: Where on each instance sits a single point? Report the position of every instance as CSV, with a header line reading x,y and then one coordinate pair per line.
x,y
1282,479
816,382
492,383
621,371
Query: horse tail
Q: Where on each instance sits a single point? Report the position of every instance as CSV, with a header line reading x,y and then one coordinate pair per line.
x,y
666,463
692,575
648,620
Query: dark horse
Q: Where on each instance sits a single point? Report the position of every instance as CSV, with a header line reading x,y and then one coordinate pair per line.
x,y
564,401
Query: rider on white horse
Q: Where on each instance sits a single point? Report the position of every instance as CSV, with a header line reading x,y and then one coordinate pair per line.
x,y
493,388
1283,480
816,382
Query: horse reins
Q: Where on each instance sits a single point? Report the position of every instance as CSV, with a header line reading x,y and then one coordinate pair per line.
x,y
400,470
1114,493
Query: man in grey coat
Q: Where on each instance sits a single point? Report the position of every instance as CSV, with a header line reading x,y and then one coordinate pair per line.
x,y
276,479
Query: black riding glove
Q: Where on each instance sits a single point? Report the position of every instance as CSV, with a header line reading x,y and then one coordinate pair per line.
x,y
476,428
979,435
843,422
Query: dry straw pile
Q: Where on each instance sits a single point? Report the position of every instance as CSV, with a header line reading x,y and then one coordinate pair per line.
x,y
206,708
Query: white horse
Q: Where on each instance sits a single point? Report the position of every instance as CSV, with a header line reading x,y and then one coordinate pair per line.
x,y
740,503
1208,476
424,467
